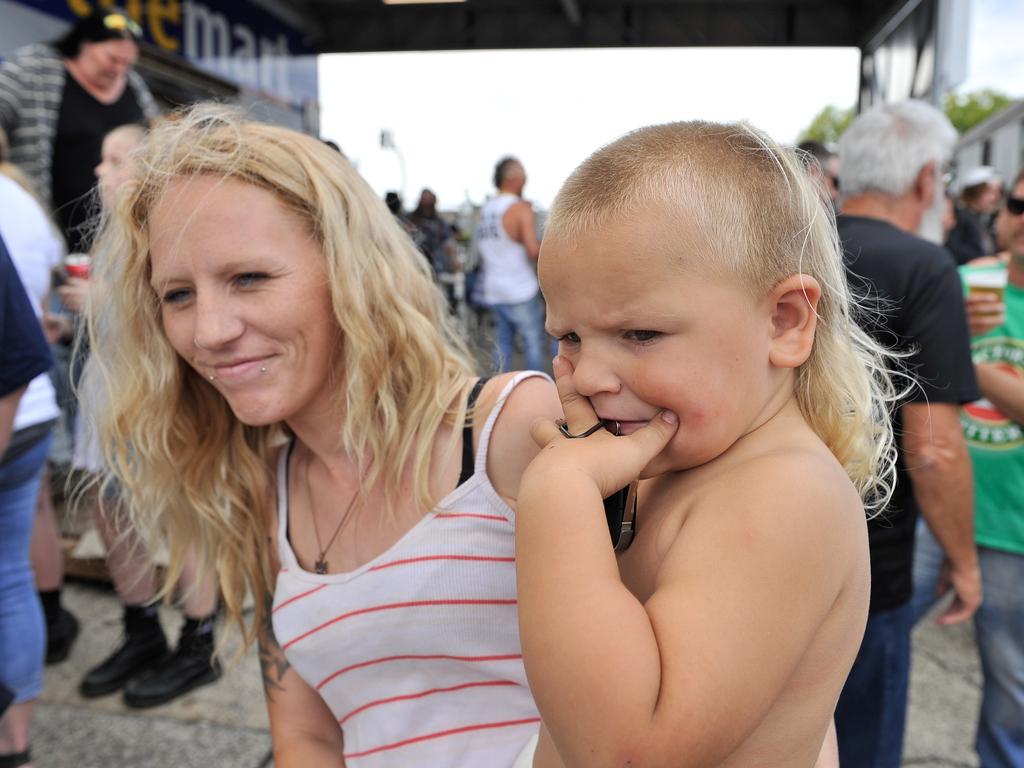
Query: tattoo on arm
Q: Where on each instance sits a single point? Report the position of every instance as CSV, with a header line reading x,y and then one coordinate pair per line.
x,y
273,662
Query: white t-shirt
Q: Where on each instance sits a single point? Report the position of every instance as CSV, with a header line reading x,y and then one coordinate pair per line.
x,y
509,277
35,249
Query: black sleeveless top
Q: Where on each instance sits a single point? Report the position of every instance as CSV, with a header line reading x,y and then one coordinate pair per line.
x,y
81,126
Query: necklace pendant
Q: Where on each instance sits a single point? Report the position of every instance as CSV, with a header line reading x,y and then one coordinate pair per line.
x,y
320,566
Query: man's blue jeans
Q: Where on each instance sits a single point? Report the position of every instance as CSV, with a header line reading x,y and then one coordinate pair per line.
x,y
527,320
872,709
999,630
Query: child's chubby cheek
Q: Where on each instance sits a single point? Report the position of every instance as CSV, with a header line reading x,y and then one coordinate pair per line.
x,y
696,417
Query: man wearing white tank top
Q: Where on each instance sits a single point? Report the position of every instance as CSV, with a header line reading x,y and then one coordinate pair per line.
x,y
506,238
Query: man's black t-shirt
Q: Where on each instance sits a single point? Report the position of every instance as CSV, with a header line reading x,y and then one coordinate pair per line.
x,y
914,287
81,126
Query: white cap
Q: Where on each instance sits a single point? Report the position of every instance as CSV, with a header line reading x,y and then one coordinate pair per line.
x,y
982,174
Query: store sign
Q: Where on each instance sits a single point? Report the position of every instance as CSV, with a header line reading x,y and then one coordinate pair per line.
x,y
239,41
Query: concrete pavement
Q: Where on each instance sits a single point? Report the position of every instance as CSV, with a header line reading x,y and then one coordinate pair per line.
x,y
945,693
223,725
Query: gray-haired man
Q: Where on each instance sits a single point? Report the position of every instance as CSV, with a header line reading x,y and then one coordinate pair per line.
x,y
891,166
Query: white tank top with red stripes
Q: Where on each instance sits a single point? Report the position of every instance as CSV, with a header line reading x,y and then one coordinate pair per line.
x,y
417,651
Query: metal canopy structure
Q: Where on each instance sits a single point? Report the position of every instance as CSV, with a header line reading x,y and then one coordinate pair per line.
x,y
371,25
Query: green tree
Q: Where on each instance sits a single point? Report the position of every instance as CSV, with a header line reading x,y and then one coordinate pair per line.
x,y
966,110
828,125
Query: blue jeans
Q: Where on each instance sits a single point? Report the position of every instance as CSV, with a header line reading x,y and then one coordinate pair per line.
x,y
999,631
22,630
525,319
928,557
872,709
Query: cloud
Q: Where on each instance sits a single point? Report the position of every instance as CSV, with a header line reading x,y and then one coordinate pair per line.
x,y
994,58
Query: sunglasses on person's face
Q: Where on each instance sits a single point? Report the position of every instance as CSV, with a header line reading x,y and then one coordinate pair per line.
x,y
1014,205
121,23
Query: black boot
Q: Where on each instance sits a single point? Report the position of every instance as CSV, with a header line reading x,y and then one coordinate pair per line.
x,y
15,759
190,666
61,627
143,647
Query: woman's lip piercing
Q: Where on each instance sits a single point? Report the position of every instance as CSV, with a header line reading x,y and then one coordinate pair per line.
x,y
263,369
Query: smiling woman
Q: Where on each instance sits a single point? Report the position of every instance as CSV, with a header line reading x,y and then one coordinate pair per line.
x,y
244,297
284,394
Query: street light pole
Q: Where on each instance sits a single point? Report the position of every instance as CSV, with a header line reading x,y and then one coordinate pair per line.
x,y
387,141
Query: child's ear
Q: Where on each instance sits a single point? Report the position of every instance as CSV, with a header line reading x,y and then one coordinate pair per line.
x,y
794,302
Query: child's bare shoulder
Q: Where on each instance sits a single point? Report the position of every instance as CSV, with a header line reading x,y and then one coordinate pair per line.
x,y
790,508
800,484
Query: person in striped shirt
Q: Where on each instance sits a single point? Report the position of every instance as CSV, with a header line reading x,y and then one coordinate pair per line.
x,y
695,285
285,397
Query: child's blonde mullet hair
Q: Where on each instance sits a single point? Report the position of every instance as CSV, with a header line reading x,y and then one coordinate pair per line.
x,y
190,474
746,207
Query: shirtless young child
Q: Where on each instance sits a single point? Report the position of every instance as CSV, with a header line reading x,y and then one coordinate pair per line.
x,y
695,285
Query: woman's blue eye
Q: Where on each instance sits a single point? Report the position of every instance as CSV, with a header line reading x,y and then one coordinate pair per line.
x,y
569,338
176,296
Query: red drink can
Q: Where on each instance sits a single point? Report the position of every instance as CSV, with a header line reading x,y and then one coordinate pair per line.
x,y
77,265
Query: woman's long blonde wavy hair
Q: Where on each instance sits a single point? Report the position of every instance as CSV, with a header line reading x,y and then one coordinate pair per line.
x,y
191,475
748,210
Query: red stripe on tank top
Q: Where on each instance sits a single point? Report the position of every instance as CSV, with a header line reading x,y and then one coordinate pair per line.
x,y
441,735
425,558
451,515
416,657
422,694
299,596
392,607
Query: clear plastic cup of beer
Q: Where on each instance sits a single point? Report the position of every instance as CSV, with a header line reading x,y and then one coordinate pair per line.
x,y
986,281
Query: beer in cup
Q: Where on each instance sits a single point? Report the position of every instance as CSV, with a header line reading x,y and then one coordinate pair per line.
x,y
991,280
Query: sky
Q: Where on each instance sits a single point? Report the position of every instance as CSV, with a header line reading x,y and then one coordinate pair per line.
x,y
995,57
452,115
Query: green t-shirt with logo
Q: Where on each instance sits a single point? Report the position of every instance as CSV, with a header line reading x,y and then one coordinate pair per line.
x,y
996,443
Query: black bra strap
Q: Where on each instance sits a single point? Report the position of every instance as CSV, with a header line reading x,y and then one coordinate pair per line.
x,y
467,431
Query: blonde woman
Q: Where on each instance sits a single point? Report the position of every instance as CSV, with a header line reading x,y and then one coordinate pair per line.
x,y
285,396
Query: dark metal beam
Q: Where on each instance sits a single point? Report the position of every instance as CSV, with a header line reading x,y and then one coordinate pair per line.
x,y
361,25
572,12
